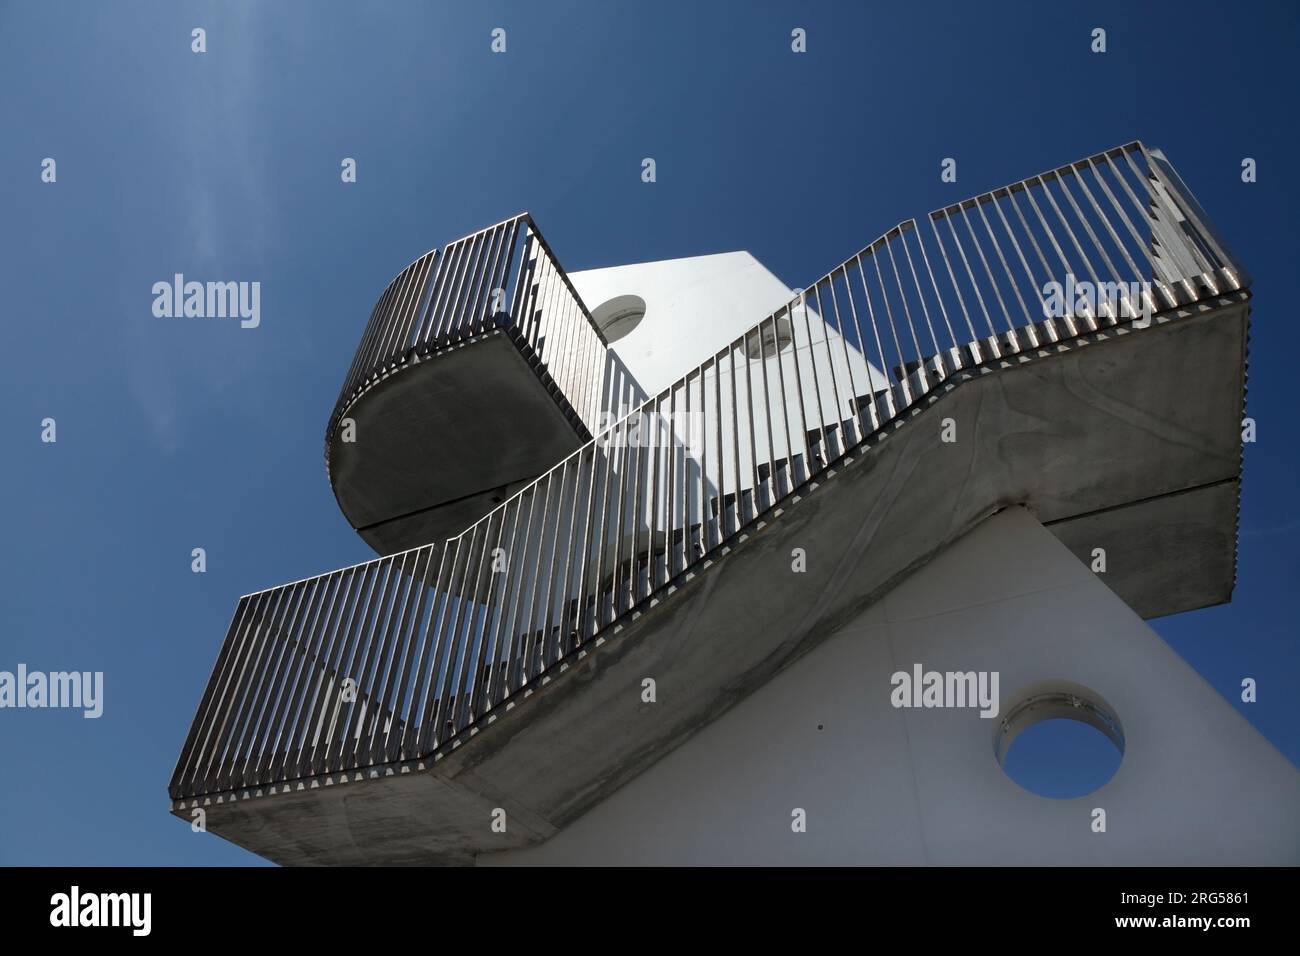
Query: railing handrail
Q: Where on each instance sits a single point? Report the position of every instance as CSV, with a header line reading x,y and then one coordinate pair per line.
x,y
394,335
498,643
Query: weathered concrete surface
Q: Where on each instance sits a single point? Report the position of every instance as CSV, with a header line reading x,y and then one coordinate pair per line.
x,y
1073,432
484,405
880,785
1169,554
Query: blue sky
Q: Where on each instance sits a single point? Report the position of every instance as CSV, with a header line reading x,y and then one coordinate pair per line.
x,y
180,434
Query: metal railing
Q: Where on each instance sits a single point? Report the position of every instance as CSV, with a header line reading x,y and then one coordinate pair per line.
x,y
395,658
504,276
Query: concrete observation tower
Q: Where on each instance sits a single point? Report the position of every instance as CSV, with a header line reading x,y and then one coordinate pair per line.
x,y
680,565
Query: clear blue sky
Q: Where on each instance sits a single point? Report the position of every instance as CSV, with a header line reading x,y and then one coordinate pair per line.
x,y
181,434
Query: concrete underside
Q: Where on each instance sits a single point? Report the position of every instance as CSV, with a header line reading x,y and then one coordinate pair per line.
x,y
439,443
1197,785
1130,442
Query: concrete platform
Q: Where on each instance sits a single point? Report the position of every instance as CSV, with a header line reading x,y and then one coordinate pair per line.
x,y
1124,439
500,423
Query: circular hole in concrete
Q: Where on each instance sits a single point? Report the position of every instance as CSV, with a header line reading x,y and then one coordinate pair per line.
x,y
1060,741
776,337
618,316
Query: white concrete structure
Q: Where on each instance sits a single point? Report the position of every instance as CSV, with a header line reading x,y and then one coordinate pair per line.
x,y
880,785
694,307
697,306
577,647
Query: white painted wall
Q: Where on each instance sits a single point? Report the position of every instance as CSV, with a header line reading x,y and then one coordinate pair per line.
x,y
695,308
1198,785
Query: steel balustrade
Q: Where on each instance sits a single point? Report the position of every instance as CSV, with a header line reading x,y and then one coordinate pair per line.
x,y
396,658
504,276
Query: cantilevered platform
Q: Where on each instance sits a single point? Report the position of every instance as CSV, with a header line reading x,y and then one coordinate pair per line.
x,y
478,371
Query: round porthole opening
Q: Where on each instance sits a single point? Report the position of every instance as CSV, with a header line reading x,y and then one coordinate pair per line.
x,y
1060,741
618,316
775,337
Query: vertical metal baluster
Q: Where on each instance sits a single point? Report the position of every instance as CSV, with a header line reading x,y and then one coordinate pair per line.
x,y
910,226
643,444
866,361
618,515
449,318
217,736
1164,290
516,628
383,347
453,674
955,353
401,340
687,458
368,577
585,585
1092,236
528,646
372,672
545,346
421,333
900,373
549,647
1012,340
923,380
336,757
478,289
735,439
401,727
703,543
1096,241
440,326
976,352
1012,335
655,471
364,706
389,653
755,503
250,691
523,309
1047,194
468,675
994,346
291,684
571,598
721,531
194,754
848,365
299,744
798,386
791,475
773,491
886,388
1158,232
462,322
492,653
402,642
358,367
830,367
670,485
1024,264
600,526
1060,254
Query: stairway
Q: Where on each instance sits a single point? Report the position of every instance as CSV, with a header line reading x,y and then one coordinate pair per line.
x,y
619,544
